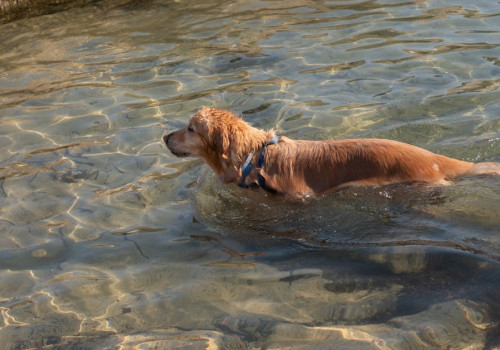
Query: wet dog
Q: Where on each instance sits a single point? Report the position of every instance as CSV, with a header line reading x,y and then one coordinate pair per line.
x,y
240,153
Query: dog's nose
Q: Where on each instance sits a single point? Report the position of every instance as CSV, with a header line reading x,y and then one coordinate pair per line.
x,y
165,138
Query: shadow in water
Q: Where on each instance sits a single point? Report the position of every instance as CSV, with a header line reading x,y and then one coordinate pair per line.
x,y
457,217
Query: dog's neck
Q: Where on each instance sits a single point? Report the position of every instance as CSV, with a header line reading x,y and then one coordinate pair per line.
x,y
252,140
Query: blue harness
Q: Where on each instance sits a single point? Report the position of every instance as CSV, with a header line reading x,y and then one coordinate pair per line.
x,y
247,167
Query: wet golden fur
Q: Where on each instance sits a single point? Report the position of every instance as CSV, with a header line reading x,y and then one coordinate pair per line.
x,y
300,167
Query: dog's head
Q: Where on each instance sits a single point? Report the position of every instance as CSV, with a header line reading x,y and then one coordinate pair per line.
x,y
208,131
218,137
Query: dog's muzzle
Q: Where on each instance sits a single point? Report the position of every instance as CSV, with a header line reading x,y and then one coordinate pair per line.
x,y
175,152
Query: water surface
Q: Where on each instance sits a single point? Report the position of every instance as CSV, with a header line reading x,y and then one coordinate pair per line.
x,y
109,241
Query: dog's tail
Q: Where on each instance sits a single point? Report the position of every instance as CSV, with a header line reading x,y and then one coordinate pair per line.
x,y
488,168
452,168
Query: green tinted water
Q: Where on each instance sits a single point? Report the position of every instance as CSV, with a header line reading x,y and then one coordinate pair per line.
x,y
109,241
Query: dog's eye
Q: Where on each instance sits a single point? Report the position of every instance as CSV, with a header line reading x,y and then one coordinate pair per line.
x,y
190,128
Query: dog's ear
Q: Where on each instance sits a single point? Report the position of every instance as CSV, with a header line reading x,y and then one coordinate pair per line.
x,y
222,142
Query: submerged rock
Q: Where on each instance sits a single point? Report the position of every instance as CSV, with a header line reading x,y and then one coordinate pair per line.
x,y
11,10
15,9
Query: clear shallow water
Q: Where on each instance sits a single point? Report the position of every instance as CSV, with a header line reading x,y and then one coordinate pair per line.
x,y
107,240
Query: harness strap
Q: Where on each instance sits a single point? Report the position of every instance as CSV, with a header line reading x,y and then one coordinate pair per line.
x,y
247,167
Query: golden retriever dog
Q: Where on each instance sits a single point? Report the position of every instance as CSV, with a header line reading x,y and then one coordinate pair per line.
x,y
240,153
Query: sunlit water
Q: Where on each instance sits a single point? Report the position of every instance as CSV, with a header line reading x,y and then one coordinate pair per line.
x,y
107,240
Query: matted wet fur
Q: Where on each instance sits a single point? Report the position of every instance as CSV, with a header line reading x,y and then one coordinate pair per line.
x,y
298,167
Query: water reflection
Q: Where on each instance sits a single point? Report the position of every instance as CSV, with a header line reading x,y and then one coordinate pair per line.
x,y
109,241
